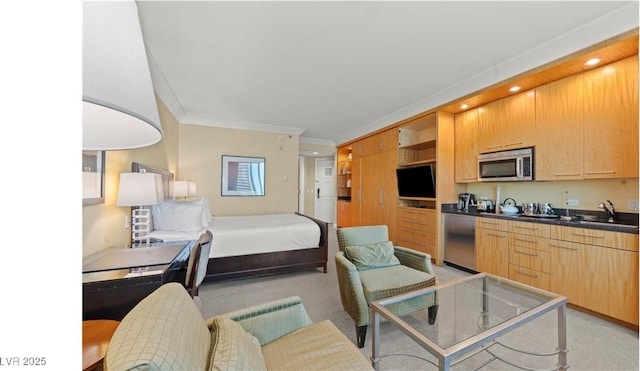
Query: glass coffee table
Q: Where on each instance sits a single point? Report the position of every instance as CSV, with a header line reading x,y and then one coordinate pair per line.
x,y
473,312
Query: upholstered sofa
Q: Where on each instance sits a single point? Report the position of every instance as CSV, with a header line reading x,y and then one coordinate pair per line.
x,y
166,331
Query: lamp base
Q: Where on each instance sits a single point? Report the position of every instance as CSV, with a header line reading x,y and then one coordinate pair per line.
x,y
141,226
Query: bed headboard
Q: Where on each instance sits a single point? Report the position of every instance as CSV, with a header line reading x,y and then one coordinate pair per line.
x,y
167,176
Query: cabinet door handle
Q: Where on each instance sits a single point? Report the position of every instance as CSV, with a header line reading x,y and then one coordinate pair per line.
x,y
513,144
381,197
567,174
601,172
564,247
492,223
526,274
525,227
586,235
524,252
497,235
524,240
492,147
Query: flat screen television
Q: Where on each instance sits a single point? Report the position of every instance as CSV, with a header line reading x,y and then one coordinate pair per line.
x,y
417,181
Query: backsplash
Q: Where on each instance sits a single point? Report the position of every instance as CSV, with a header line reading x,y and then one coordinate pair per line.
x,y
589,193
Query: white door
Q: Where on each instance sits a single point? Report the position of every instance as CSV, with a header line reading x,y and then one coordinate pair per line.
x,y
325,190
301,185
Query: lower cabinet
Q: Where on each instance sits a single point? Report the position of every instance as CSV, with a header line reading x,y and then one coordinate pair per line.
x,y
344,214
529,256
416,229
601,275
492,246
594,269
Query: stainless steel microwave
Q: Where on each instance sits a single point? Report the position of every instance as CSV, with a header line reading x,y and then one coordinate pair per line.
x,y
512,166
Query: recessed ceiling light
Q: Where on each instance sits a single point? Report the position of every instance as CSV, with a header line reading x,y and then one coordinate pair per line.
x,y
592,62
464,106
514,89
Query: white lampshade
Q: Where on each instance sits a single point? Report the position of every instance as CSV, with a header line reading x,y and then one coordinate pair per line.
x,y
180,188
183,188
140,189
119,106
192,189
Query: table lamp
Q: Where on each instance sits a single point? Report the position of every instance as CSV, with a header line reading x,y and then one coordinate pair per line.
x,y
140,189
183,188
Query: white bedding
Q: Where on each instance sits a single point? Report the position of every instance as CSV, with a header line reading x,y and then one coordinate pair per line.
x,y
245,235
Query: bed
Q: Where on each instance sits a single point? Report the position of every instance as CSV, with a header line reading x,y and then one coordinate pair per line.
x,y
252,245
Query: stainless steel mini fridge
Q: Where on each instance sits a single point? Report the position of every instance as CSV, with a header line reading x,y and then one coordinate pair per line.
x,y
460,241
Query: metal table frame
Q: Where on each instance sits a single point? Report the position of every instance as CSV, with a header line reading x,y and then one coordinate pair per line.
x,y
447,357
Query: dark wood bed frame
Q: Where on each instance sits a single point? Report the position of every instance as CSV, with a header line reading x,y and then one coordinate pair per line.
x,y
254,265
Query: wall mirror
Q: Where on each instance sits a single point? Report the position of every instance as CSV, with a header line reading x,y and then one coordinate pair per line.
x,y
92,177
242,176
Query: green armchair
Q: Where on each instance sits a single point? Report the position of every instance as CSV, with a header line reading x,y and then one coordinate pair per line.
x,y
364,277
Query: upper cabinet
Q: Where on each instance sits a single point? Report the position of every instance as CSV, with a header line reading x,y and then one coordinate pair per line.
x,y
559,125
587,124
381,142
508,123
611,120
584,126
466,146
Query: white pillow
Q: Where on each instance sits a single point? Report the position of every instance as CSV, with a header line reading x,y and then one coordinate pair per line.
x,y
171,216
206,212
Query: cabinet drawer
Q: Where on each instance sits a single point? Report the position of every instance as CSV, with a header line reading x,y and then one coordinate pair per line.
x,y
530,258
417,220
421,242
618,240
531,229
528,242
529,277
495,224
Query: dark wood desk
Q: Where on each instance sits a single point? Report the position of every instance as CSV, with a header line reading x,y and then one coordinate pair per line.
x,y
115,280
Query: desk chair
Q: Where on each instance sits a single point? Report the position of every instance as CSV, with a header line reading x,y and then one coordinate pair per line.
x,y
197,267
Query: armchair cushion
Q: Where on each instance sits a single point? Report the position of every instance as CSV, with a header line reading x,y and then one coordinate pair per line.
x,y
394,280
234,348
372,255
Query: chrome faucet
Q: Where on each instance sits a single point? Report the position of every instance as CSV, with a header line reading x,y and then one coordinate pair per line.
x,y
608,209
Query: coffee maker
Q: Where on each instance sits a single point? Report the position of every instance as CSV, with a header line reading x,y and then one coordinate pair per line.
x,y
464,200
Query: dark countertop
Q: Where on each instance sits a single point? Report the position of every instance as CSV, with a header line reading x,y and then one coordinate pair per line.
x,y
626,222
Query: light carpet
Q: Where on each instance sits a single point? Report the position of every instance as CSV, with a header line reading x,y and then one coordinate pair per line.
x,y
594,344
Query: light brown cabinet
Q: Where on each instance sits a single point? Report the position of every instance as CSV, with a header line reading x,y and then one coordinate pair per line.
x,y
529,256
507,123
417,229
377,143
373,180
378,189
611,120
596,270
466,146
587,125
344,214
559,129
492,246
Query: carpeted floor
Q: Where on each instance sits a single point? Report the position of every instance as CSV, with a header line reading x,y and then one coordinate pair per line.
x,y
594,344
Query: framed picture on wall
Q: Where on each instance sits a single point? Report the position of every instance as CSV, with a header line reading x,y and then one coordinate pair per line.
x,y
93,177
243,176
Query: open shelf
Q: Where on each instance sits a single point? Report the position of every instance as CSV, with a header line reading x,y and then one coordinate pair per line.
x,y
419,162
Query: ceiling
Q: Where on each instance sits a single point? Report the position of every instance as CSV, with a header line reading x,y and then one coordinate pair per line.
x,y
331,71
